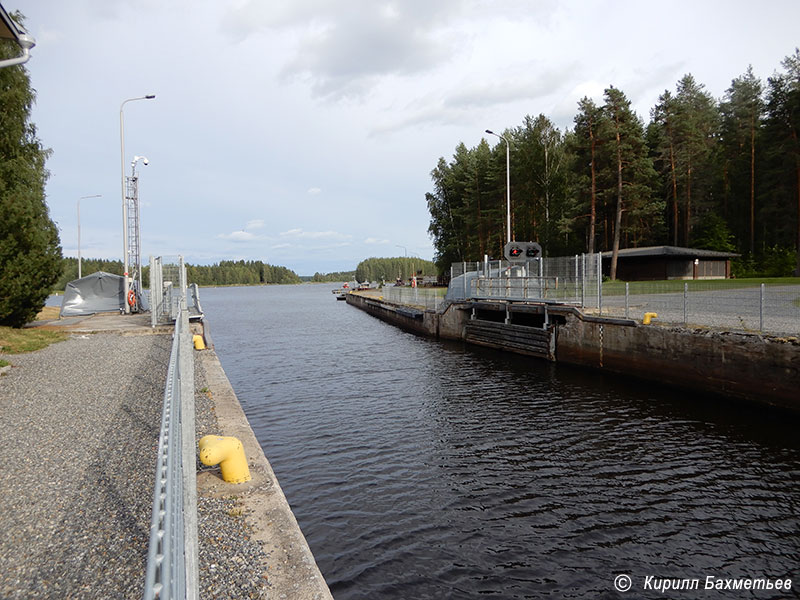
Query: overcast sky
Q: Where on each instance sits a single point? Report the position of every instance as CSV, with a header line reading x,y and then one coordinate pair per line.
x,y
303,132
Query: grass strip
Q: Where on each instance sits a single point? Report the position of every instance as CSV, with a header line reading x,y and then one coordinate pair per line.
x,y
18,341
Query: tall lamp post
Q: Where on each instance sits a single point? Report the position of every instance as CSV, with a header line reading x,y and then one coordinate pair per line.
x,y
79,228
127,307
508,183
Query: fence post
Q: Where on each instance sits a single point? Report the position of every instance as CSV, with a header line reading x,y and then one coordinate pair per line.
x,y
599,283
576,278
685,299
761,310
583,280
153,300
626,299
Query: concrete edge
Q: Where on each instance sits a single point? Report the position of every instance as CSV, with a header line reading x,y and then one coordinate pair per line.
x,y
293,571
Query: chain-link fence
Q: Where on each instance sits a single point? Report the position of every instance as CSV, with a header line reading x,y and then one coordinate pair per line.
x,y
727,303
419,297
577,280
167,288
571,280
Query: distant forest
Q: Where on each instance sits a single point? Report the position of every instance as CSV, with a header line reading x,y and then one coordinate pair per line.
x,y
223,273
336,276
389,269
706,173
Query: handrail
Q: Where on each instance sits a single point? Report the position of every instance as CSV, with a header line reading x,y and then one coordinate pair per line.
x,y
172,569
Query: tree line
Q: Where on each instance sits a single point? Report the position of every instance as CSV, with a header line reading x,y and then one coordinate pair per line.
x,y
335,276
228,272
223,273
389,269
716,174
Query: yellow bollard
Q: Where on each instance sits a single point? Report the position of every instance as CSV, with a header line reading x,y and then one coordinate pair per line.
x,y
228,453
199,344
648,317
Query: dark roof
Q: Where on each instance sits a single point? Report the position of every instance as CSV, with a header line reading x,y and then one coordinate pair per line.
x,y
8,28
671,251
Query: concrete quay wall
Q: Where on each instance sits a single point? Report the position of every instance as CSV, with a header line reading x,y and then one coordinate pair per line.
x,y
290,566
744,366
740,365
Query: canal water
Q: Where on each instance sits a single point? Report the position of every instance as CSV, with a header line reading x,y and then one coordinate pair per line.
x,y
421,469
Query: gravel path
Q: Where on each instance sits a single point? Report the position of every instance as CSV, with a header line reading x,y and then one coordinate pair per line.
x,y
80,422
232,565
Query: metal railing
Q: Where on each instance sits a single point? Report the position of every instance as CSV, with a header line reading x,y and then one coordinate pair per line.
x,y
726,304
573,279
172,565
526,288
419,297
167,287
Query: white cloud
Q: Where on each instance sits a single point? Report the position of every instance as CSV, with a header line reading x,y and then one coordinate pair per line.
x,y
254,224
345,52
314,191
315,235
372,240
237,236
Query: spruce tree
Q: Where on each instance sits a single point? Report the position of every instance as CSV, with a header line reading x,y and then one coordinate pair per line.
x,y
30,254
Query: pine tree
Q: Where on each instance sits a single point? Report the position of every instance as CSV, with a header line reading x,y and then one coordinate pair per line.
x,y
585,148
663,128
633,173
30,254
697,126
741,113
783,147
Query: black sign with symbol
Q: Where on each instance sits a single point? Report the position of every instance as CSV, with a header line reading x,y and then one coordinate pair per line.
x,y
522,251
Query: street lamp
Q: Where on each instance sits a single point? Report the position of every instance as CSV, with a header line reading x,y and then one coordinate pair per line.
x,y
79,228
127,308
508,182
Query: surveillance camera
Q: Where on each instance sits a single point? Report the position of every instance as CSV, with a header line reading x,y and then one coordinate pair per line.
x,y
25,41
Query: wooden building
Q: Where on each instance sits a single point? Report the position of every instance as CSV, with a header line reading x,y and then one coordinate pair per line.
x,y
653,263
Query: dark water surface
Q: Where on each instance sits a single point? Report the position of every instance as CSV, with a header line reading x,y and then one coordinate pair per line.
x,y
421,469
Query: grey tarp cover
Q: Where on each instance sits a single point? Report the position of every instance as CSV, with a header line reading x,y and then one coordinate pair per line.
x,y
98,292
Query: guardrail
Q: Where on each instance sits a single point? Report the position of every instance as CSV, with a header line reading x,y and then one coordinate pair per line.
x,y
725,304
730,304
172,566
569,279
167,287
421,297
526,288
